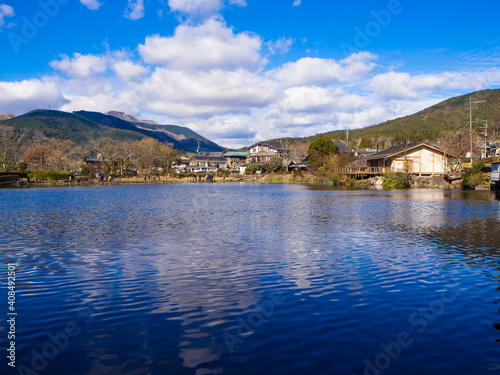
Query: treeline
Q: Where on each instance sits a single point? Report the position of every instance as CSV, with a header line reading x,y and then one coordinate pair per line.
x,y
115,156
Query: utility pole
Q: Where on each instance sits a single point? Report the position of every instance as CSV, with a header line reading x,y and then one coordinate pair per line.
x,y
483,151
472,106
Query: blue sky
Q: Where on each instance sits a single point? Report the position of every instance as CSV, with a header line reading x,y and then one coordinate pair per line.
x,y
239,71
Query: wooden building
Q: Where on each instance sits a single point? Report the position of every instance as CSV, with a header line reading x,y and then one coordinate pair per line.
x,y
417,158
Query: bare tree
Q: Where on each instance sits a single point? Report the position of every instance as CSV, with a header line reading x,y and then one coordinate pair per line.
x,y
109,151
148,153
36,156
7,147
166,156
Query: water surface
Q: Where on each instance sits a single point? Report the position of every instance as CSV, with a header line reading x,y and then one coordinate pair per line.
x,y
251,279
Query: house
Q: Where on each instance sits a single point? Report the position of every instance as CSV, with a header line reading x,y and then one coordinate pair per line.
x,y
366,152
182,164
495,174
262,152
302,166
417,158
236,159
209,162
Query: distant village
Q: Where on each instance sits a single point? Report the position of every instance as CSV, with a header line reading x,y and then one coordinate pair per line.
x,y
419,158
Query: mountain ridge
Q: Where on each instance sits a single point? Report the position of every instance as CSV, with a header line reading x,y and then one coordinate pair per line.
x,y
83,126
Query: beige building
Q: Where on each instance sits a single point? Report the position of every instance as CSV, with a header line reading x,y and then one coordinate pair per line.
x,y
417,158
262,152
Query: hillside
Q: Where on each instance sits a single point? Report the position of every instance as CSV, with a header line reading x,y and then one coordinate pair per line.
x,y
6,116
430,122
44,124
80,127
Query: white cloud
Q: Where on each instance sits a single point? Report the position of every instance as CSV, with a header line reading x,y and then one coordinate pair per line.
x,y
81,65
134,10
211,45
316,71
296,3
182,94
91,4
196,8
128,70
23,96
240,3
280,46
201,9
5,11
395,85
99,102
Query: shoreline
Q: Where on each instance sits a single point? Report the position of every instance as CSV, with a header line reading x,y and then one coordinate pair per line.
x,y
371,184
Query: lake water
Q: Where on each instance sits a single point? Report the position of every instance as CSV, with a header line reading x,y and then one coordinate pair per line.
x,y
250,279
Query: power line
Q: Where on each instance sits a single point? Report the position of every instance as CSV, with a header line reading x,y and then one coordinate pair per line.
x,y
472,106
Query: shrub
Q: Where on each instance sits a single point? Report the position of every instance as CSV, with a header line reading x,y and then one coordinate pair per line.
x,y
349,181
472,177
252,169
49,175
397,180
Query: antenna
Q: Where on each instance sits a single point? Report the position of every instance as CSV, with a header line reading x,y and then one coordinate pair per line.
x,y
472,106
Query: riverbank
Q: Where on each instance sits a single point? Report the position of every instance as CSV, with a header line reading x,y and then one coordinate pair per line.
x,y
447,182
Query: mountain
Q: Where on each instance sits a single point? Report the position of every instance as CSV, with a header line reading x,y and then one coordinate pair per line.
x,y
126,117
430,122
6,116
179,133
82,126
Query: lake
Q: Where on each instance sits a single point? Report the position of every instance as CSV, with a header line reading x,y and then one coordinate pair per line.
x,y
250,279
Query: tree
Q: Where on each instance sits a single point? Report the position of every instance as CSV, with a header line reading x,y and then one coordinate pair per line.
x,y
275,164
330,168
166,156
7,147
148,153
365,143
322,146
36,156
62,157
110,152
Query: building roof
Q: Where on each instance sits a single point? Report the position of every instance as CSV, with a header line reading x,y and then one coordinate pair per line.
x,y
236,154
274,145
342,146
360,163
391,151
209,158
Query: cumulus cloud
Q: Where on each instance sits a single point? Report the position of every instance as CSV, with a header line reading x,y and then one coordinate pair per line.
x,y
81,65
181,94
127,70
312,99
211,45
316,71
201,9
296,3
23,96
280,46
134,10
196,8
91,4
393,85
5,11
